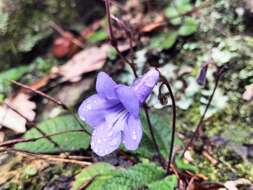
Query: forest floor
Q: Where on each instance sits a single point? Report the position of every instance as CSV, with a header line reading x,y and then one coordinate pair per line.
x,y
201,47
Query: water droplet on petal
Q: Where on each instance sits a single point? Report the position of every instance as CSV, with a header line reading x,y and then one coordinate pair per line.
x,y
89,107
134,136
109,134
101,152
99,141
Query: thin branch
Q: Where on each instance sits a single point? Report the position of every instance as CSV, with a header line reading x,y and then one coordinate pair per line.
x,y
58,102
23,140
50,158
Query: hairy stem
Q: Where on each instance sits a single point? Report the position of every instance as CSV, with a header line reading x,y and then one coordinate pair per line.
x,y
173,132
201,121
114,40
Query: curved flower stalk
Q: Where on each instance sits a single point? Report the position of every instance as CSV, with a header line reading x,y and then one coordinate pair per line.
x,y
114,111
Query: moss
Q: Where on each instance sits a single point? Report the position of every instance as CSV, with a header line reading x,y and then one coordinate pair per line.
x,y
24,23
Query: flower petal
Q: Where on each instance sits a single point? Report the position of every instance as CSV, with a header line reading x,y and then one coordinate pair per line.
x,y
128,98
143,86
93,110
132,133
105,140
105,86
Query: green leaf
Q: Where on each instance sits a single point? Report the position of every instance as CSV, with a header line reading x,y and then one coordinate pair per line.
x,y
162,129
134,177
164,41
173,14
175,10
99,182
185,166
69,141
102,176
183,6
98,36
189,26
168,183
90,172
11,74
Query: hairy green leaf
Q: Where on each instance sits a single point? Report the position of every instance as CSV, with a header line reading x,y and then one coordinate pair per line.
x,y
68,141
134,177
168,183
91,172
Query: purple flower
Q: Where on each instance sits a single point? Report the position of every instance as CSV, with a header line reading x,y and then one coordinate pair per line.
x,y
113,112
201,80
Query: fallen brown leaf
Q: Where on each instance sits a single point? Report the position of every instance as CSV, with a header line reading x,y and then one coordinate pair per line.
x,y
248,94
2,135
155,24
11,119
88,60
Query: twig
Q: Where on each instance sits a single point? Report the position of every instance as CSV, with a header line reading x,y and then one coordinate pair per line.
x,y
58,102
22,140
189,186
173,132
52,158
201,121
